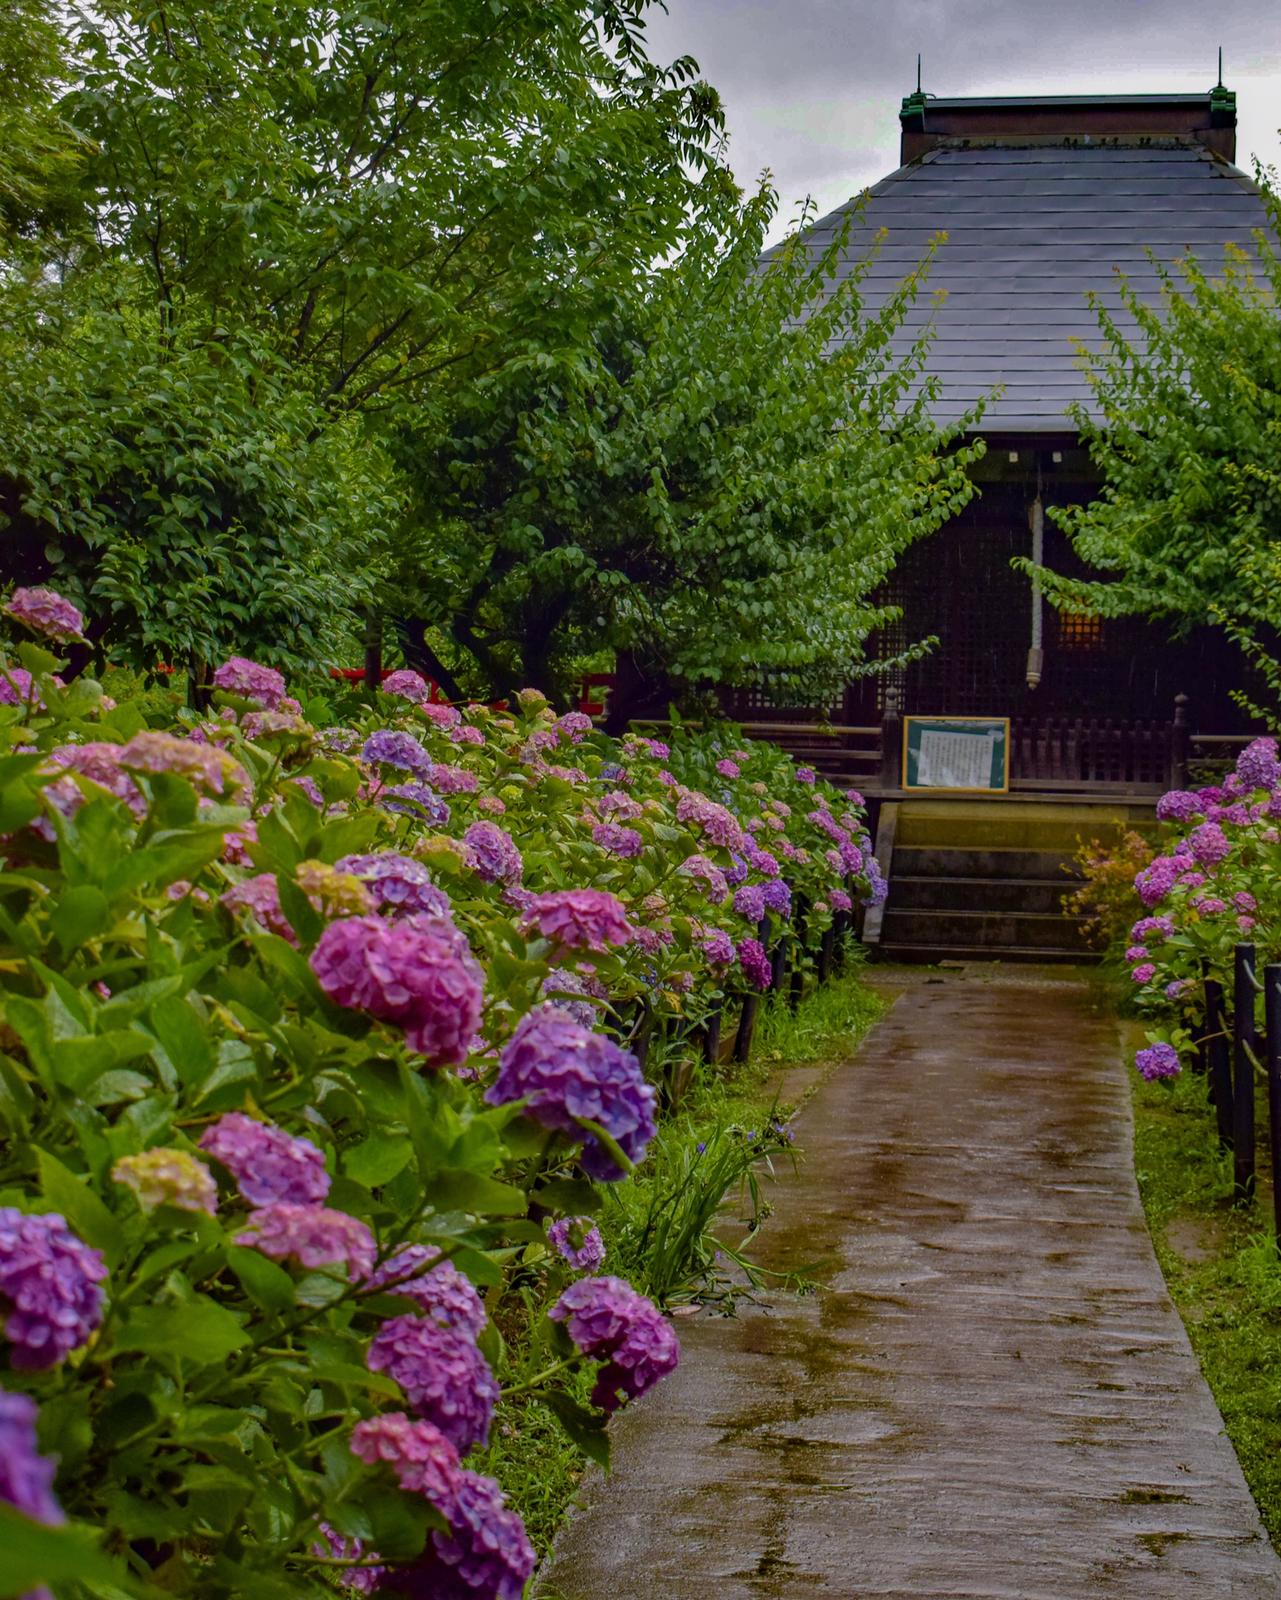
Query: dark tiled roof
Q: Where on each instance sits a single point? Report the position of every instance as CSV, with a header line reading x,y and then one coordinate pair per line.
x,y
1031,227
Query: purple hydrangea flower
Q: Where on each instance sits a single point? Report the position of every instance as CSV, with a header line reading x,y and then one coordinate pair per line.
x,y
718,947
778,897
45,611
755,963
570,1075
839,900
436,1287
26,1477
575,725
337,1546
1209,905
267,1163
313,1235
578,919
445,1378
165,1177
398,882
1144,973
454,780
408,685
17,687
415,800
389,747
749,901
1156,880
1209,844
263,685
611,1323
1257,765
806,775
1179,805
618,841
578,1241
1145,927
563,988
492,853
49,1288
705,871
486,1554
1158,1061
763,862
408,974
1136,952
1178,988
728,769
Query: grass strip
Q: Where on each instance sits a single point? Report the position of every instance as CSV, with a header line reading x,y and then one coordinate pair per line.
x,y
1221,1267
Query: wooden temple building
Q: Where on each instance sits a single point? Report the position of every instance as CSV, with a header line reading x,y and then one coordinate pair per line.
x,y
1041,199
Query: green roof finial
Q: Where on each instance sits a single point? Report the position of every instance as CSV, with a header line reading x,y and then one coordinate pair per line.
x,y
1218,85
918,69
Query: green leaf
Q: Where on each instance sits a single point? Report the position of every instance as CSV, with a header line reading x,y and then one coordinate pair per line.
x,y
183,1036
378,1159
34,1553
268,1285
198,1332
455,1190
80,914
80,1061
85,1213
570,1196
583,1427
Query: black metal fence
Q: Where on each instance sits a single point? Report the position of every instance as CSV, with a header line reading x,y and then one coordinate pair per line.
x,y
1232,1049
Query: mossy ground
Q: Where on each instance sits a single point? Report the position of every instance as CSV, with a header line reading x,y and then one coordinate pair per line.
x,y
539,1468
1221,1266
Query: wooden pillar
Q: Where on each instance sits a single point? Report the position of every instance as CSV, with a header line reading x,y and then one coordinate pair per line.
x,y
373,654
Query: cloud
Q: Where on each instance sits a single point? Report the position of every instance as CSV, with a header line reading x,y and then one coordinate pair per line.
x,y
812,87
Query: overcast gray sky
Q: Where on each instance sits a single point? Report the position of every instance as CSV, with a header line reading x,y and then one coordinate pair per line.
x,y
812,87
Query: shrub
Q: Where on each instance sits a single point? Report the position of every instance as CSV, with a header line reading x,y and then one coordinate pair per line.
x,y
308,1033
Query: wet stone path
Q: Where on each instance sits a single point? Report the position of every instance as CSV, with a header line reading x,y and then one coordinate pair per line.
x,y
995,1400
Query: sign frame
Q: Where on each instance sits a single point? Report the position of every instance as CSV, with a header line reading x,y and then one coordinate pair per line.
x,y
1002,723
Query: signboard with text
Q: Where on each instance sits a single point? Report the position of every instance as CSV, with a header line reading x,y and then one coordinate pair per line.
x,y
958,753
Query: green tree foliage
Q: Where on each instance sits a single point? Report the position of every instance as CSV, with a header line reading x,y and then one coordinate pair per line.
x,y
715,485
292,221
38,150
1188,437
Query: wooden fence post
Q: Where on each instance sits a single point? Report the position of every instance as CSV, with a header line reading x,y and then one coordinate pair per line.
x,y
1180,740
1244,985
712,1034
891,740
1272,1025
1216,1047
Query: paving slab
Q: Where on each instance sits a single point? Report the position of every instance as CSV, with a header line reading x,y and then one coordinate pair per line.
x,y
994,1399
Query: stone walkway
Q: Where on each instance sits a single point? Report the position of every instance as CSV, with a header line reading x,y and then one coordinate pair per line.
x,y
996,1400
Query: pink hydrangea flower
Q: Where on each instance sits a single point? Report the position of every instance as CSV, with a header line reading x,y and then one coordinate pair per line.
x,y
578,919
414,973
251,681
208,770
312,1235
45,611
408,685
445,1378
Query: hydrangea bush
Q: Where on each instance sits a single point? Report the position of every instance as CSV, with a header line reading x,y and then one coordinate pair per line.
x,y
1215,883
314,1037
